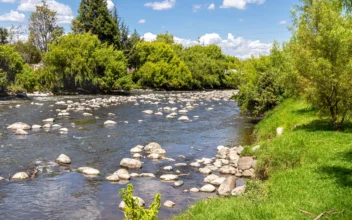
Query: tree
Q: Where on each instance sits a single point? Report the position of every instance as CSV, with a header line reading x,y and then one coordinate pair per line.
x,y
132,55
11,64
161,67
322,48
165,38
81,61
94,16
29,53
4,34
43,28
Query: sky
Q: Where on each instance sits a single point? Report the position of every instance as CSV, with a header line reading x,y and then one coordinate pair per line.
x,y
240,27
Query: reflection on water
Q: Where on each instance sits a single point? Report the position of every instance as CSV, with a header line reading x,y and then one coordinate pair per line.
x,y
60,193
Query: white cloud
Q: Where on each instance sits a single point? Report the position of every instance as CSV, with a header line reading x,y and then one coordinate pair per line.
x,y
149,37
8,1
13,16
239,4
30,6
195,8
64,19
211,6
164,5
283,22
142,21
238,47
111,5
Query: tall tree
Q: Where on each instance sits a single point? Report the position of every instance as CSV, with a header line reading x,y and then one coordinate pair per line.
x,y
322,49
166,38
43,28
94,16
4,34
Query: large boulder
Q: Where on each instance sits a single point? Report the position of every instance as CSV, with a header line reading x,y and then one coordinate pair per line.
x,y
20,176
227,186
131,163
19,125
63,159
245,163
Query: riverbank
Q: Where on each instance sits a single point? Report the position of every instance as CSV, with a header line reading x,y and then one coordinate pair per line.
x,y
308,171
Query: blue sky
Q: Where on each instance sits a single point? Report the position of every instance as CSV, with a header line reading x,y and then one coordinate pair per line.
x,y
240,27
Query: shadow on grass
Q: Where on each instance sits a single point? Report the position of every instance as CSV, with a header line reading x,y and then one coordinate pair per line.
x,y
324,125
342,175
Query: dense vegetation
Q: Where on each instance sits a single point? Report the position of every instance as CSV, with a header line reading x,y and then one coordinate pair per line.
x,y
102,55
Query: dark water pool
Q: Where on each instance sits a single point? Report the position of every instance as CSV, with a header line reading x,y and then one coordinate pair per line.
x,y
59,193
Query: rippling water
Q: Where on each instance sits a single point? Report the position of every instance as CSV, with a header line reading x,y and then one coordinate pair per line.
x,y
59,193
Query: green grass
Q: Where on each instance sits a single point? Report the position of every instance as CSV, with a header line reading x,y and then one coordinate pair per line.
x,y
309,167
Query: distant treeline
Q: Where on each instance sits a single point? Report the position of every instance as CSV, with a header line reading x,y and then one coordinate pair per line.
x,y
101,55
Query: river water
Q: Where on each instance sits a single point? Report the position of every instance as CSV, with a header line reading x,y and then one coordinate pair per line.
x,y
61,193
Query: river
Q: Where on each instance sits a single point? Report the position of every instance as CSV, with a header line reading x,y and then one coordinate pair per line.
x,y
59,192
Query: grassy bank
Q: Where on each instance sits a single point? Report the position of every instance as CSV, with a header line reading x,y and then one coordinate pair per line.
x,y
308,168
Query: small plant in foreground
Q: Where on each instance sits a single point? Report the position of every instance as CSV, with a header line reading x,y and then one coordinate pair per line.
x,y
135,212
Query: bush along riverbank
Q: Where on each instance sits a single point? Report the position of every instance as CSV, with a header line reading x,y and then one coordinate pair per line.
x,y
304,173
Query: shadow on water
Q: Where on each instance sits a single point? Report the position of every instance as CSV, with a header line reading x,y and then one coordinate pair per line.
x,y
341,174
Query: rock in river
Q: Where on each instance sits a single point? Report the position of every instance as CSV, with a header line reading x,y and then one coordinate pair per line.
x,y
131,163
49,120
169,177
169,204
227,186
210,178
1,178
21,132
20,176
152,147
109,122
19,125
88,171
208,188
64,159
178,183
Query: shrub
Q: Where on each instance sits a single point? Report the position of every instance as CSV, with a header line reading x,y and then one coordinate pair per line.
x,y
133,211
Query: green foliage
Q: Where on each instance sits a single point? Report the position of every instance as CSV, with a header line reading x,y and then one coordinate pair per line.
x,y
161,67
82,61
265,81
43,28
94,17
4,34
135,212
322,49
27,79
207,65
29,53
165,38
11,64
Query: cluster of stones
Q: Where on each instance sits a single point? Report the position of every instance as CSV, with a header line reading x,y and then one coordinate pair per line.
x,y
230,165
21,128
